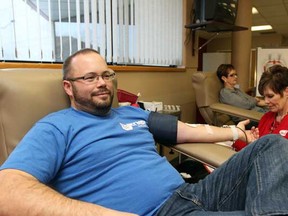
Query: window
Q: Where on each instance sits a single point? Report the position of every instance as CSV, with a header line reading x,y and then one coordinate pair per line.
x,y
126,32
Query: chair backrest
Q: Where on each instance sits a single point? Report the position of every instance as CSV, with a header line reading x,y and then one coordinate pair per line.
x,y
26,95
207,87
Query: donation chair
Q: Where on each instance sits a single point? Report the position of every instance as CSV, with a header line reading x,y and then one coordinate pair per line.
x,y
207,87
26,95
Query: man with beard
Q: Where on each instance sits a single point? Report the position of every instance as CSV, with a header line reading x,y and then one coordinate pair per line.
x,y
91,159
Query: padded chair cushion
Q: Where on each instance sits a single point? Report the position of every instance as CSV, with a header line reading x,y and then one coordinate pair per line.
x,y
207,87
26,95
208,153
208,83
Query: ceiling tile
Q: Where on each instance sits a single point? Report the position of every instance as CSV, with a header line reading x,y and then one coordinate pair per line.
x,y
272,10
265,2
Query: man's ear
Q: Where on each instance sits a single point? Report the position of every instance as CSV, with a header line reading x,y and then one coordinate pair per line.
x,y
224,78
67,87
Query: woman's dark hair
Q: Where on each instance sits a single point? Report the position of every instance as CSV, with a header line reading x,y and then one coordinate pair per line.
x,y
223,70
276,78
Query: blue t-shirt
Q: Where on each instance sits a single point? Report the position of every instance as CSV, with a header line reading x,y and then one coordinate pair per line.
x,y
110,161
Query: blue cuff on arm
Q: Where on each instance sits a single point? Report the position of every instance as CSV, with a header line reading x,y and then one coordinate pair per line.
x,y
163,127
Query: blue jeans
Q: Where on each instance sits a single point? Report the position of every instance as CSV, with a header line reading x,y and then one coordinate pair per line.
x,y
253,182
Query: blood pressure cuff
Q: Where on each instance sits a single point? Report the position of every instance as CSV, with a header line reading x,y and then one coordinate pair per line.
x,y
163,127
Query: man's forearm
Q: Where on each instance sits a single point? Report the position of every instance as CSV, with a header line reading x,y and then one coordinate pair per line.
x,y
204,133
21,194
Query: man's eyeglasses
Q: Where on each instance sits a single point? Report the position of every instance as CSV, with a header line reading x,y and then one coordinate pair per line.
x,y
233,75
92,77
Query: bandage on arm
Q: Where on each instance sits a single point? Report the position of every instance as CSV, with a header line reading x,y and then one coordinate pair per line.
x,y
234,131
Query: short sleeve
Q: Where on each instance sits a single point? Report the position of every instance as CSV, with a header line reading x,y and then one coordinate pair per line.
x,y
40,153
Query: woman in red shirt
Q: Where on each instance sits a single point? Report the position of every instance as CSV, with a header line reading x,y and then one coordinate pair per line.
x,y
273,86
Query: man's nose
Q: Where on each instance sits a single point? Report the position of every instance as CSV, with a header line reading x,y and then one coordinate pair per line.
x,y
100,81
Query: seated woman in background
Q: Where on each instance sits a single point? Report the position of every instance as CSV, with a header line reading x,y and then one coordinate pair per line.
x,y
273,85
232,95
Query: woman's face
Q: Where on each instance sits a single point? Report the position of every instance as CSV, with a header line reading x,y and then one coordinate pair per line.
x,y
231,79
274,101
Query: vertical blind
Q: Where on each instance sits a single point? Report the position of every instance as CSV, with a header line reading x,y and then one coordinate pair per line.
x,y
123,31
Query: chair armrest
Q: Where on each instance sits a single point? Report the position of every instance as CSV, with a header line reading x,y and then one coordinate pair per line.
x,y
211,154
236,111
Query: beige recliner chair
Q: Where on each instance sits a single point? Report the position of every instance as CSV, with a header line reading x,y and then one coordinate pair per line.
x,y
207,87
26,95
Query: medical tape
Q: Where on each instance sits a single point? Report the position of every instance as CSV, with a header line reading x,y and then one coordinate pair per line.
x,y
234,132
208,129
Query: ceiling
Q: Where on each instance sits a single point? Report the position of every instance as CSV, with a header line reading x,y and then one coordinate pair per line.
x,y
271,12
274,13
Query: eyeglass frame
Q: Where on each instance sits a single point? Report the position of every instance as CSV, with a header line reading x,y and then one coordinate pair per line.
x,y
233,75
95,76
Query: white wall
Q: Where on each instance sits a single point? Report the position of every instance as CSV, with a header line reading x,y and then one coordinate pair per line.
x,y
211,61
